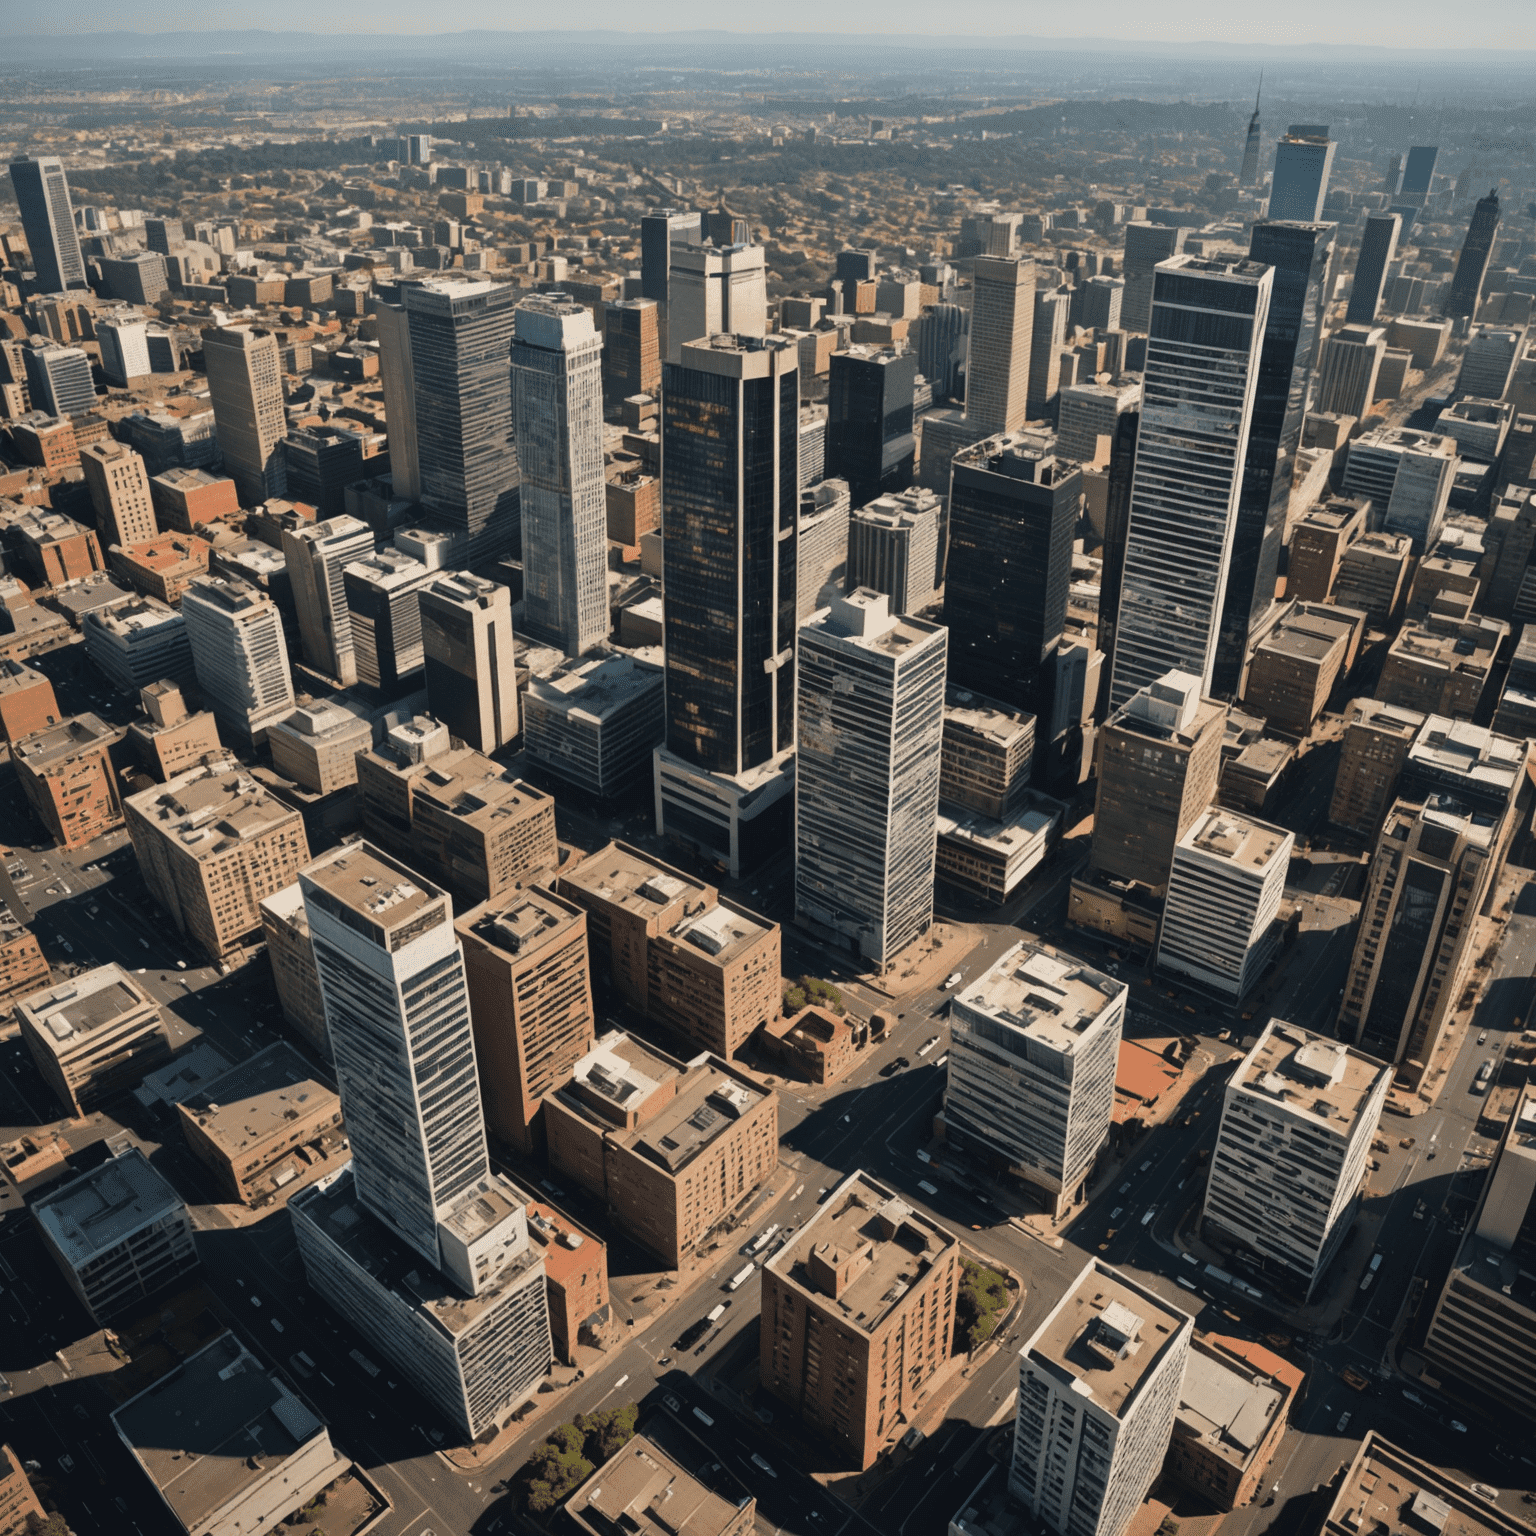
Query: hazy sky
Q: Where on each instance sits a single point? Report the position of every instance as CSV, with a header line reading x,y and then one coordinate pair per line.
x,y
1429,24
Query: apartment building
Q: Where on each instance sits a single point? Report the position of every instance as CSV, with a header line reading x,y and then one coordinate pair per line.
x,y
285,927
68,780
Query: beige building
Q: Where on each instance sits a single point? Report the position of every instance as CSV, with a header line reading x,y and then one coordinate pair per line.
x,y
987,754
317,745
285,926
23,967
1441,665
18,1503
471,678
858,1315
1372,752
642,1491
1384,1488
119,487
672,1147
265,1128
1318,545
68,780
211,843
700,965
93,1036
530,1001
1373,575
245,384
170,739
1295,666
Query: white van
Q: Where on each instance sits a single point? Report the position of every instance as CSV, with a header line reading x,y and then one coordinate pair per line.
x,y
740,1278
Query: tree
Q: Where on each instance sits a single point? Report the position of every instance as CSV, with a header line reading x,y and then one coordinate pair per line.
x,y
980,1301
555,1469
607,1431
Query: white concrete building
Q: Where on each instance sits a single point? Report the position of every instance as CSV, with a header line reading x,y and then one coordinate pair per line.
x,y
596,720
1089,412
316,556
137,641
713,290
893,547
239,654
1406,475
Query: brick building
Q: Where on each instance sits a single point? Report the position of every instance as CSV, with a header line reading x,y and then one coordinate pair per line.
x,y
27,702
186,497
23,967
162,567
68,779
575,1277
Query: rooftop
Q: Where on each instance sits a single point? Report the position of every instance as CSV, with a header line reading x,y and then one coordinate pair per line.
x,y
1237,840
102,1208
624,877
1023,828
522,924
1387,718
133,616
708,1101
643,1490
372,886
212,808
592,689
1227,1404
243,1107
981,716
1049,997
1312,1075
472,786
59,743
64,1013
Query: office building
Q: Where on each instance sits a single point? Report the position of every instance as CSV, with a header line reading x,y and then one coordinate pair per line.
x,y
871,702
1374,747
227,1446
821,546
66,777
857,1317
1373,576
1088,419
892,546
168,737
998,357
1318,544
1441,664
245,386
1099,1384
1383,1481
631,349
124,342
186,499
1145,246
644,1490
714,291
316,555
1378,247
316,747
1418,173
986,755
136,641
119,1234
939,334
530,1001
1248,173
870,442
212,844
138,278
27,701
1489,362
466,633
265,1128
1013,511
1303,160
1201,377
285,925
1483,1334
1466,291
1407,476
1220,921
1048,335
162,567
991,857
321,462
1294,667
694,962
119,487
93,1036
18,1501
397,375
59,380
48,219
241,658
659,232
596,721
1160,759
1351,359
1097,304
1034,1043
1516,714
1297,1099
469,1327
460,335
671,1148
382,592
558,412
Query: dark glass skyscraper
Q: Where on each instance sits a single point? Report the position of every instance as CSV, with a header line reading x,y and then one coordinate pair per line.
x,y
1419,172
48,217
659,232
870,443
1378,245
1299,254
1472,264
1012,511
1253,145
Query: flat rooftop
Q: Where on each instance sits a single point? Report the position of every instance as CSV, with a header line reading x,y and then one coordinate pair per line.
x,y
59,743
644,1491
1333,515
372,885
1311,1075
244,1107
1049,997
1228,1410
469,785
1459,749
862,1252
721,932
134,616
593,690
212,808
1022,830
624,877
213,1426
523,924
978,715
102,1208
1106,1336
1238,841
708,1102
1390,719
1451,643
65,1013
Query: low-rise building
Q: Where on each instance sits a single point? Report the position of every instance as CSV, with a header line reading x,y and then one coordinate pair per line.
x,y
69,781
815,1045
987,755
186,498
119,1234
1319,542
228,1447
643,1491
93,1036
317,745
991,858
858,1316
595,721
27,703
137,641
265,1128
162,567
285,927
672,1148
1373,576
575,1278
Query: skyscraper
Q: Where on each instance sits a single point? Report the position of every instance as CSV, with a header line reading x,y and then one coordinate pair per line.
x,y
715,291
870,442
730,496
631,349
59,379
383,592
1012,512
1348,367
1378,245
871,716
461,336
1002,328
1476,250
1299,255
315,555
466,635
659,232
245,386
1303,159
48,217
939,336
119,486
1047,336
236,634
398,378
1419,172
124,341
557,373
1208,319
1248,176
1145,246
470,1327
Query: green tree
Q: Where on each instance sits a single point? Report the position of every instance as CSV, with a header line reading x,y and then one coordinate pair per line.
x,y
607,1431
555,1469
980,1302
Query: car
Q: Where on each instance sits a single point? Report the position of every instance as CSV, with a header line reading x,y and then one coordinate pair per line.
x,y
66,1463
1482,1038
1114,1215
1458,1426
1413,1397
1343,1423
691,1335
890,1069
1125,1188
1483,1491
277,1325
762,1463
255,1299
951,981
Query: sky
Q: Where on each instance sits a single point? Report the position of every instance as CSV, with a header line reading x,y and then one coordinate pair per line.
x,y
1428,24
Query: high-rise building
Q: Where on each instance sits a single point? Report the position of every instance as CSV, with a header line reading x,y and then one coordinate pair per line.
x,y
1297,1100
397,375
1303,160
1099,302
245,385
998,358
1372,751
631,349
1089,412
65,775
596,721
870,443
59,380
460,335
320,463
821,545
939,335
1248,174
530,1001
857,1315
1407,477
659,232
557,361
124,341
1012,514
1350,361
1197,403
715,291
1298,256
1034,1043
466,636
238,650
1048,335
416,1241
893,547
383,592
1419,173
48,217
871,708
1145,246
1099,1385
1488,365
1378,245
285,925
1466,291
316,555
119,487
136,279
730,436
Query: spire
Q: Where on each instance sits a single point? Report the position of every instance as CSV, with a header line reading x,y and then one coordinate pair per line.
x,y
1258,93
